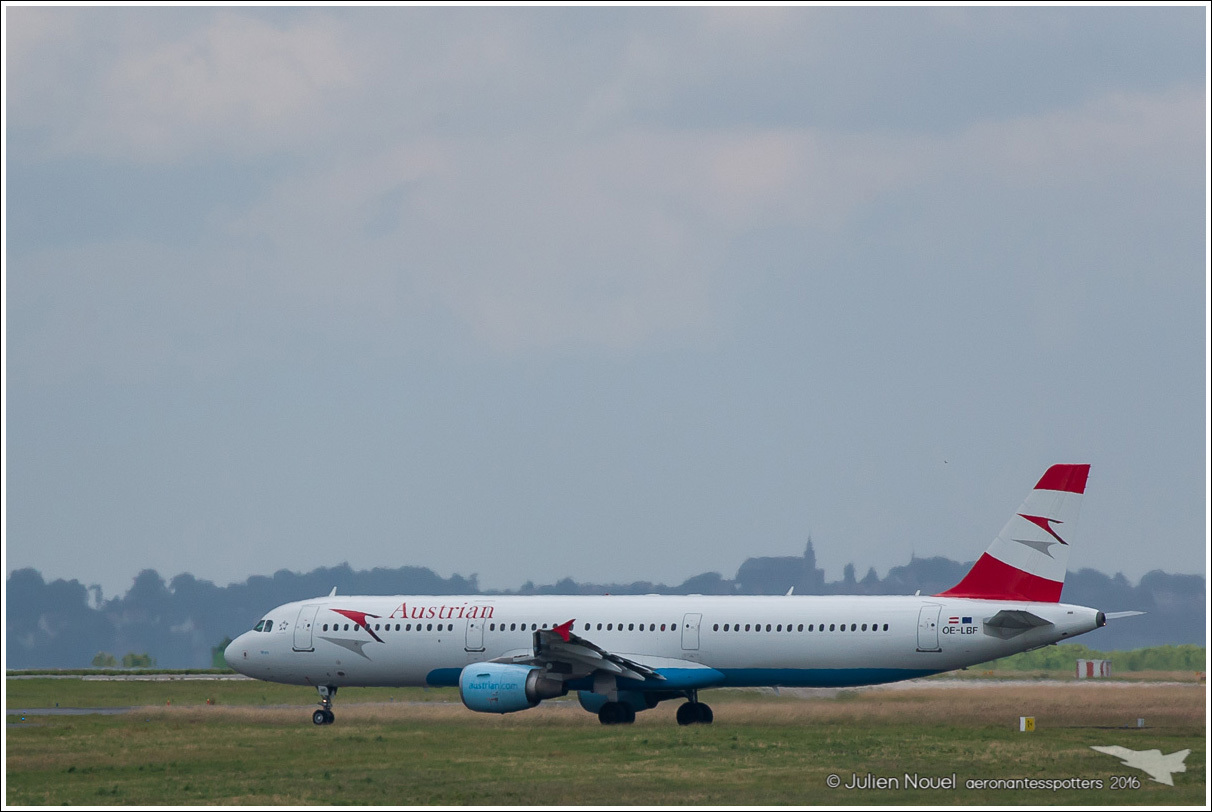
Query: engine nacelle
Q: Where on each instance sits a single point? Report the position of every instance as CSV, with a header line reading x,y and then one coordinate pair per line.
x,y
505,688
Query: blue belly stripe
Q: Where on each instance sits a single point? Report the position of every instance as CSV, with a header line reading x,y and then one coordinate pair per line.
x,y
677,679
819,677
443,677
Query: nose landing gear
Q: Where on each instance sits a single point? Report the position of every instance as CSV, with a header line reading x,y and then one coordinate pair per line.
x,y
324,716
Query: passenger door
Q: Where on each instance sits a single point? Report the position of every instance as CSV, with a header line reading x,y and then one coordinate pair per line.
x,y
690,632
927,628
307,618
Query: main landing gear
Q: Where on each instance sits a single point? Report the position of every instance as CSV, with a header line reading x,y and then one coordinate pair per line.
x,y
324,716
616,713
695,712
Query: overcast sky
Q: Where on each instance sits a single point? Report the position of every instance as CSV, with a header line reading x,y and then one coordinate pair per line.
x,y
609,293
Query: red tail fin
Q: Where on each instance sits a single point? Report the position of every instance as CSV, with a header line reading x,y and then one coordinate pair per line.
x,y
1026,562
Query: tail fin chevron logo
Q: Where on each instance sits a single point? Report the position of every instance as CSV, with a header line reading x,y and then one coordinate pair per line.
x,y
1046,525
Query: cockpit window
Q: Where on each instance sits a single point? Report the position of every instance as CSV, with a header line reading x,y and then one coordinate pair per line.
x,y
269,625
260,627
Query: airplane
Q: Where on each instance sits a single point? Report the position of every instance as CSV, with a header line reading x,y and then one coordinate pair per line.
x,y
1158,767
624,654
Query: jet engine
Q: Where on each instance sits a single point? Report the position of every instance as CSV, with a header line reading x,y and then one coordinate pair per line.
x,y
504,688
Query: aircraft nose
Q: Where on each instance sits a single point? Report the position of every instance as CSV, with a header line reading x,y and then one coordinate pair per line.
x,y
236,654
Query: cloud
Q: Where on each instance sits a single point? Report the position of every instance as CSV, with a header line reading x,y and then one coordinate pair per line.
x,y
478,168
236,84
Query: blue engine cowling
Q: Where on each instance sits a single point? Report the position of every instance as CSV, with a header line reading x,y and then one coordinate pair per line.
x,y
504,688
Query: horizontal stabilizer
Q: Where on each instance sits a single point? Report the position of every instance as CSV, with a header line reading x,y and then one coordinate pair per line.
x,y
1118,615
1011,622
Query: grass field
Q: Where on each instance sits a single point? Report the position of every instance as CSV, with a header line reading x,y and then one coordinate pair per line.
x,y
408,746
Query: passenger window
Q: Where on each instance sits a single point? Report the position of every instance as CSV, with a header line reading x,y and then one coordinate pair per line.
x,y
832,626
673,627
885,627
586,627
662,627
631,627
599,627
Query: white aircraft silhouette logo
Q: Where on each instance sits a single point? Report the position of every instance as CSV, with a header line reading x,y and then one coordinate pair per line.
x,y
1158,767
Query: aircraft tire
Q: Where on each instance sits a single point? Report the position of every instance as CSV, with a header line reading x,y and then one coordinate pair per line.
x,y
694,713
616,713
320,717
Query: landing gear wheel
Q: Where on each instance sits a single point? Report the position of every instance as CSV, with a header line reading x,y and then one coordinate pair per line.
x,y
692,713
616,713
324,716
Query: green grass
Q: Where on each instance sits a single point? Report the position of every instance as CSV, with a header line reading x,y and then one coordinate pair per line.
x,y
84,672
761,750
72,693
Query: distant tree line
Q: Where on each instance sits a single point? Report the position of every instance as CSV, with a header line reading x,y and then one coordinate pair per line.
x,y
1154,658
184,623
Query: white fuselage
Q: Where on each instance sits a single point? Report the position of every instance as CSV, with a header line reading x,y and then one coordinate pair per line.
x,y
704,641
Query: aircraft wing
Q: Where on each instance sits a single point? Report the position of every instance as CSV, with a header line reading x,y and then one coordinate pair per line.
x,y
573,656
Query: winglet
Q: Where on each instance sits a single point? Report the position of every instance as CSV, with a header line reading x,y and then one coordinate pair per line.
x,y
564,629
